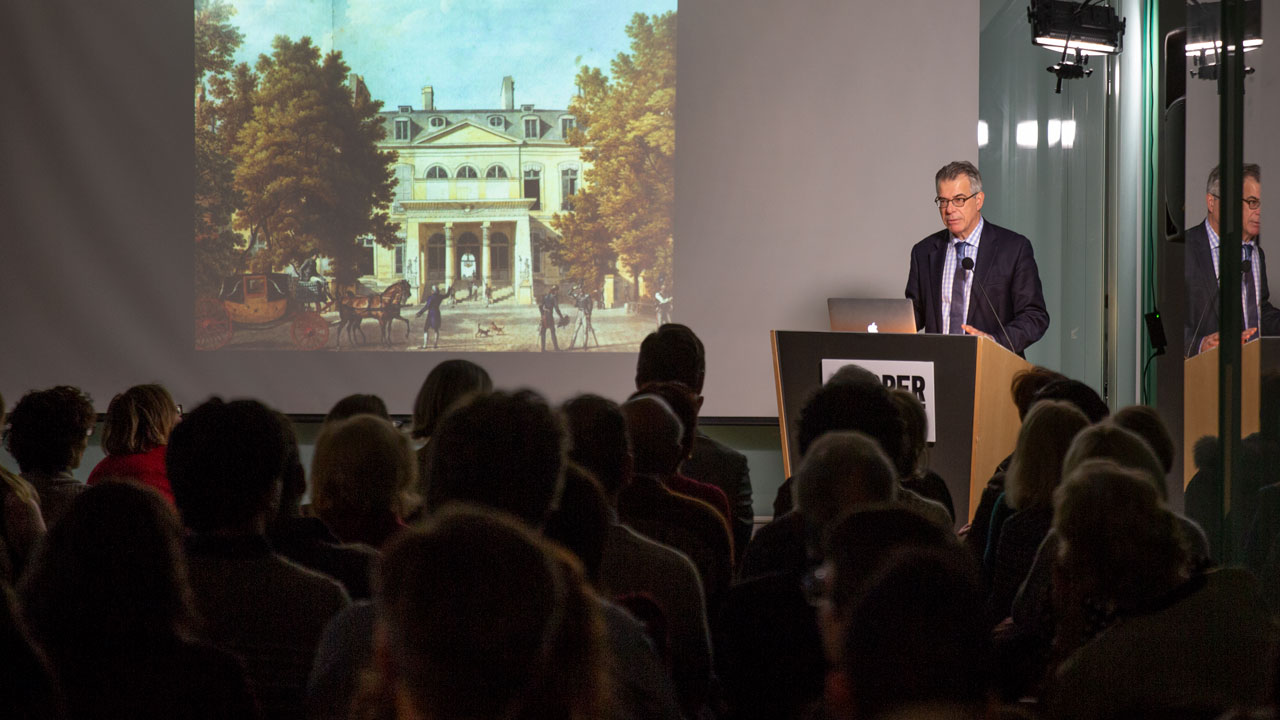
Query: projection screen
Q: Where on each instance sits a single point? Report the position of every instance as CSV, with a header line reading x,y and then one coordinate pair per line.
x,y
514,164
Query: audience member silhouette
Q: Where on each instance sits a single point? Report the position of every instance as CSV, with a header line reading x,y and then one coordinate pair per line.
x,y
684,404
674,353
48,434
225,464
108,600
479,618
632,564
21,524
910,641
1023,388
768,651
362,478
1176,642
306,540
357,404
134,435
447,384
646,505
912,465
28,688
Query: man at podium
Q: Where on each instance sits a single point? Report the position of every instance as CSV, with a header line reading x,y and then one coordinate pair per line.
x,y
973,276
1201,269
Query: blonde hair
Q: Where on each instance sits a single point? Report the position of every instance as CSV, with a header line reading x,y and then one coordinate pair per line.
x,y
1108,441
1036,468
139,419
362,466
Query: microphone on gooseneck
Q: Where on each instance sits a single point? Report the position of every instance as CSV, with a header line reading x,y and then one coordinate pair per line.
x,y
967,264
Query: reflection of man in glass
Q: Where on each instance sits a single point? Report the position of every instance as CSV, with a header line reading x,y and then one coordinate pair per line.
x,y
974,277
1260,317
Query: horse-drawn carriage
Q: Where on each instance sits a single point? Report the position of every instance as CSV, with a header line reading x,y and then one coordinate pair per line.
x,y
263,300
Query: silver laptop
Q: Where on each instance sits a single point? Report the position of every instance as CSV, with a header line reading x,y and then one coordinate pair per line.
x,y
888,315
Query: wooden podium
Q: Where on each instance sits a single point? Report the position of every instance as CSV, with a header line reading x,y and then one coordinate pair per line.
x,y
1200,394
976,422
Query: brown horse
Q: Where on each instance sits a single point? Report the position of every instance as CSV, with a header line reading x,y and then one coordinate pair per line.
x,y
385,307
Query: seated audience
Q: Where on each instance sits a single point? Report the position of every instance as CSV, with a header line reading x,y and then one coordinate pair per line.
x,y
674,353
1023,389
911,465
906,640
225,463
48,433
646,505
362,478
505,452
447,384
632,564
1153,637
358,404
134,435
107,599
768,651
21,524
1034,473
684,404
306,540
479,618
853,399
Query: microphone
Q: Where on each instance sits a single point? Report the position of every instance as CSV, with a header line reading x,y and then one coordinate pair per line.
x,y
1194,347
967,264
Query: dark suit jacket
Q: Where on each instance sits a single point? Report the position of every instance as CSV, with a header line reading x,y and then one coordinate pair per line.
x,y
1202,293
718,464
1005,266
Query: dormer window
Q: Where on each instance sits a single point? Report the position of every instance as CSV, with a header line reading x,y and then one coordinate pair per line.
x,y
496,121
436,122
567,124
406,108
531,127
402,128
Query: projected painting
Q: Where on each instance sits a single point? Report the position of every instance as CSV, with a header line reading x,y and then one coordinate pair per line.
x,y
441,177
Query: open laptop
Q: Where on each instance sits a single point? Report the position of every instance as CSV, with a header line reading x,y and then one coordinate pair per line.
x,y
889,315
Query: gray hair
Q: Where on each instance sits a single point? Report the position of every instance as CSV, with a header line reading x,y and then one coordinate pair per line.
x,y
953,170
841,470
1214,187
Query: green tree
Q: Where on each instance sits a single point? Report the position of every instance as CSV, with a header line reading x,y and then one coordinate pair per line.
x,y
628,187
583,247
307,164
216,40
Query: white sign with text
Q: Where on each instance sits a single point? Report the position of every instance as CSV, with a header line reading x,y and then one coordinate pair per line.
x,y
911,375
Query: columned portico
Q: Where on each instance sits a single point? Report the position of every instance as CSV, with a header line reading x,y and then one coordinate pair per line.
x,y
437,230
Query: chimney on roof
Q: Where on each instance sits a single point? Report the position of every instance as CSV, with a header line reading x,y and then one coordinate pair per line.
x,y
508,93
428,98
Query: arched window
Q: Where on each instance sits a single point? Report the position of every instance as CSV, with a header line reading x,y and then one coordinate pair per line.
x,y
536,247
468,256
466,171
495,171
437,172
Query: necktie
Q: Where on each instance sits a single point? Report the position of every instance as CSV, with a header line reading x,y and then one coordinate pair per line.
x,y
957,293
1250,291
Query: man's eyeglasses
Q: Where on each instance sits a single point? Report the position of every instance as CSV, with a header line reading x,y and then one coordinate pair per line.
x,y
958,201
1253,202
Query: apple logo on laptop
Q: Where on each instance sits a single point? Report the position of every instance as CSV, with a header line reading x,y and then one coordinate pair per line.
x,y
872,328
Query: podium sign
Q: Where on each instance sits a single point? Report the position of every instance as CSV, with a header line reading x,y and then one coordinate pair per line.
x,y
910,375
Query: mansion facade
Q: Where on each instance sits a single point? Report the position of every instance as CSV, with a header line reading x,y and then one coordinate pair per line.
x,y
475,192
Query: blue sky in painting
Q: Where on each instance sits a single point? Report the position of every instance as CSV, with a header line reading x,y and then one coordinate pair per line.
x,y
462,48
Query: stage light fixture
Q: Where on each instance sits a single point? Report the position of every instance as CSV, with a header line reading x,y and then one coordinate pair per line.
x,y
1077,29
1204,36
